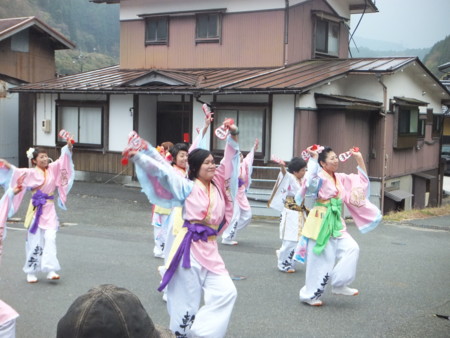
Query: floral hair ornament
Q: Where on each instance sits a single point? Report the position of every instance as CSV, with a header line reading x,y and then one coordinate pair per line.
x,y
30,152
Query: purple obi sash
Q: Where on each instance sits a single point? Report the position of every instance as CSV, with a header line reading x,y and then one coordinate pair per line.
x,y
195,232
38,199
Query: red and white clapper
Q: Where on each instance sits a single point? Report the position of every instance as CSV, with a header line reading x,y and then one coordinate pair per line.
x,y
135,143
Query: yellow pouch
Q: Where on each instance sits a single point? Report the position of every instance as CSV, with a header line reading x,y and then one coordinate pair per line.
x,y
29,215
313,222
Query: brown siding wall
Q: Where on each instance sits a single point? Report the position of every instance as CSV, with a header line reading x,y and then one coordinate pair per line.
x,y
36,65
341,131
248,40
108,163
407,161
301,28
375,155
305,130
132,45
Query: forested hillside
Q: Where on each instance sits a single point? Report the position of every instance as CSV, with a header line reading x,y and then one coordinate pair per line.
x,y
438,55
94,28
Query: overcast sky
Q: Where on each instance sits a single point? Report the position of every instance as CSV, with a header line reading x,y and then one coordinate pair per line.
x,y
408,23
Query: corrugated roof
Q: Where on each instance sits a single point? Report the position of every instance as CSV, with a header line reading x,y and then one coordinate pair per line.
x,y
12,26
296,78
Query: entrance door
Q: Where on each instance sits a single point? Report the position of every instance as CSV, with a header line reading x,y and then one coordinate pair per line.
x,y
173,122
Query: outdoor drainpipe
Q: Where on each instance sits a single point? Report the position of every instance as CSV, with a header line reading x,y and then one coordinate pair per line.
x,y
383,171
286,31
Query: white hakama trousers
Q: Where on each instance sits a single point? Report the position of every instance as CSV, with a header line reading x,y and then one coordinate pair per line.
x,y
159,222
8,329
336,264
40,252
241,218
184,294
291,225
285,256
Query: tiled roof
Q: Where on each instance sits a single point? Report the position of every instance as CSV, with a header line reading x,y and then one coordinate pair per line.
x,y
296,78
12,26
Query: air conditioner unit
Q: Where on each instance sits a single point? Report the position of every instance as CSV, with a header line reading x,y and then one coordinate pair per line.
x,y
46,126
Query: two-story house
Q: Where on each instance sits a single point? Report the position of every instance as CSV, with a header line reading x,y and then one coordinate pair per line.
x,y
279,68
27,54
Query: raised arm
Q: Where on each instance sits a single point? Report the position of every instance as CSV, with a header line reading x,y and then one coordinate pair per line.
x,y
199,141
159,181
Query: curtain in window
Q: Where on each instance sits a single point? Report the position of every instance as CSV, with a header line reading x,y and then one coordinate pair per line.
x,y
250,122
85,123
68,120
90,125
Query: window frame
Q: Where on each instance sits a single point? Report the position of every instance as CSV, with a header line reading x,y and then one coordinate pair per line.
x,y
406,139
164,20
422,126
209,39
77,104
326,53
261,152
437,126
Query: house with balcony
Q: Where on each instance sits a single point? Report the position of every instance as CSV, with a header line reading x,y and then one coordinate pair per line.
x,y
27,54
281,69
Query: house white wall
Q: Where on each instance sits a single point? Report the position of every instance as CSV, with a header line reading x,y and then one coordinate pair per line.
x,y
120,121
9,124
307,100
282,129
45,111
147,117
409,83
413,85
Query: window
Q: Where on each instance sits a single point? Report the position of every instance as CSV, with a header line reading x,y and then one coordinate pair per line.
x,y
327,37
406,131
157,31
83,120
408,121
251,122
437,125
421,125
20,41
208,28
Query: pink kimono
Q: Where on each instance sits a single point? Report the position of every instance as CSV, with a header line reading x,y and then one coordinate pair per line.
x,y
242,213
58,176
194,263
331,252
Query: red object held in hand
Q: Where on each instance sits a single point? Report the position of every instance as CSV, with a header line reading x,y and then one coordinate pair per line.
x,y
222,131
64,134
135,143
345,156
305,154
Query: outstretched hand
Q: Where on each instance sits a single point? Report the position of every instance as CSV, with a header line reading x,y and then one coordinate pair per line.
x,y
356,153
4,163
208,119
256,144
313,153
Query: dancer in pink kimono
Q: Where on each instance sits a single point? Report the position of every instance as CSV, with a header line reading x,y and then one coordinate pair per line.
x,y
160,214
242,214
195,267
331,252
8,315
41,218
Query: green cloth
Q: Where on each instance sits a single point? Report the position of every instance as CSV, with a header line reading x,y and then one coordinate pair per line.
x,y
331,224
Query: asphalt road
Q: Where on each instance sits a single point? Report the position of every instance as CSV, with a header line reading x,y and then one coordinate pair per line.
x,y
403,274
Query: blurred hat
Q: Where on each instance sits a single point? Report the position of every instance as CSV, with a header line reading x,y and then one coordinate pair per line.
x,y
108,311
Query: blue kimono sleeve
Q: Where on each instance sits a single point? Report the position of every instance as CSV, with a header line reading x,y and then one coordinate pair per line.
x,y
160,182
